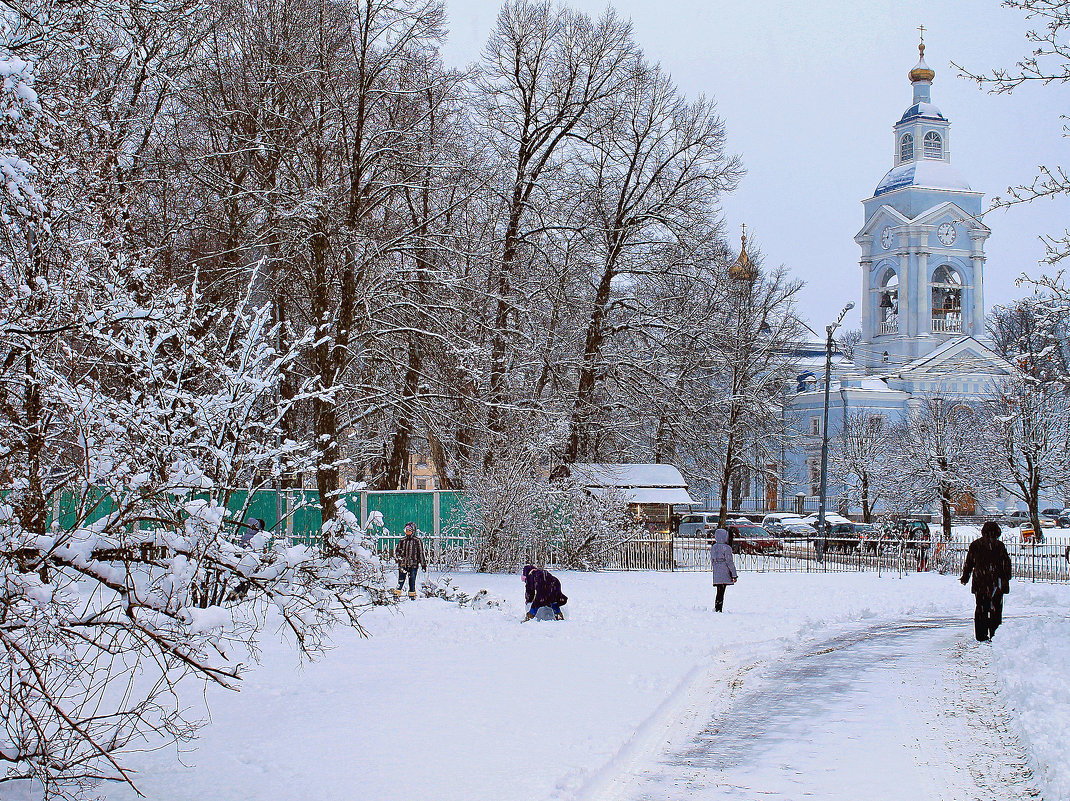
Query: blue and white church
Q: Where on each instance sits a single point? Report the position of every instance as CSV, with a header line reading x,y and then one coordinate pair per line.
x,y
922,302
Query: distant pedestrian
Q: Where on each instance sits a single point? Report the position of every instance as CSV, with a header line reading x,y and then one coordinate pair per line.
x,y
409,554
542,588
990,564
252,528
723,566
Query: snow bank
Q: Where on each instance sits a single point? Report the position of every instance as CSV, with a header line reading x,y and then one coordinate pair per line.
x,y
457,704
1031,654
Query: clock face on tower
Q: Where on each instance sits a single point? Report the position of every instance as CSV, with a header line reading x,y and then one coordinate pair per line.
x,y
886,238
946,233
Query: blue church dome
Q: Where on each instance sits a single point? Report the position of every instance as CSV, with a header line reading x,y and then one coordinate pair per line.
x,y
926,174
922,111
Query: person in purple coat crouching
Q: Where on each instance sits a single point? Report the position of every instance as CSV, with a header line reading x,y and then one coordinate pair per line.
x,y
542,588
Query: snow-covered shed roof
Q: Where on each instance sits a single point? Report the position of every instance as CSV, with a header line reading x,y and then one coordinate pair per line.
x,y
638,483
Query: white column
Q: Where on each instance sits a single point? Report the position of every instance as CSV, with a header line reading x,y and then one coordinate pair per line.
x,y
868,331
906,296
977,323
924,312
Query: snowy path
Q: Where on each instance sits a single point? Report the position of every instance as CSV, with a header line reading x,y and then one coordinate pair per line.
x,y
893,711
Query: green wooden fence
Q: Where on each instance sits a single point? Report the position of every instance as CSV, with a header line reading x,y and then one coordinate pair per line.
x,y
296,513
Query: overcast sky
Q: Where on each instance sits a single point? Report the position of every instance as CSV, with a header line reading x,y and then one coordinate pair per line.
x,y
809,93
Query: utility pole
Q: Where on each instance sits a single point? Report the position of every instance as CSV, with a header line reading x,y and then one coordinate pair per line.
x,y
829,330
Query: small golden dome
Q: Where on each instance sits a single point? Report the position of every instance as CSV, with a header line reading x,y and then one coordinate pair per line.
x,y
921,71
743,269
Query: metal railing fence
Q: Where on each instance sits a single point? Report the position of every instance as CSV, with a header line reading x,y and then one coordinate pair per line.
x,y
1046,561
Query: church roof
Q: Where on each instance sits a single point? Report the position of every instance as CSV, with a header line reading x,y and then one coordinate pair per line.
x,y
959,354
926,174
922,111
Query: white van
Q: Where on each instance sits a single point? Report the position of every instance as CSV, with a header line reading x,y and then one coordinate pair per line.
x,y
698,524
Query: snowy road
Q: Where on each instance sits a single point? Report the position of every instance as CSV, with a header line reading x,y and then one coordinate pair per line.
x,y
891,711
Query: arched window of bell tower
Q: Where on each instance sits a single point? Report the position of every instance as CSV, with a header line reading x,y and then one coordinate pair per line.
x,y
946,288
934,145
906,148
888,303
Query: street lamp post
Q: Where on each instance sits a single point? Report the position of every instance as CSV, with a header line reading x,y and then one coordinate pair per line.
x,y
829,330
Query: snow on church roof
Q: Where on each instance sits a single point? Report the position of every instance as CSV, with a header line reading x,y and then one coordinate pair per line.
x,y
922,110
927,174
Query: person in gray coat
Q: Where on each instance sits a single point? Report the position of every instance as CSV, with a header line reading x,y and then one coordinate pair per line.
x,y
723,566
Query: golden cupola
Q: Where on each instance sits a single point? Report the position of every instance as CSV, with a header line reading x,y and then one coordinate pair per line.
x,y
743,269
922,71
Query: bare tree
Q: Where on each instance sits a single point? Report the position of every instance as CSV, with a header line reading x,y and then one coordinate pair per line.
x,y
1028,440
545,72
1047,62
938,456
861,457
656,171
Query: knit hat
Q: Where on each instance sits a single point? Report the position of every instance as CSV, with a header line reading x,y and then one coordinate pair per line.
x,y
991,529
410,526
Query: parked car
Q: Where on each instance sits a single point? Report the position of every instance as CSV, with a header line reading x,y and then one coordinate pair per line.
x,y
870,538
697,524
787,524
831,519
1060,516
841,537
1018,517
748,537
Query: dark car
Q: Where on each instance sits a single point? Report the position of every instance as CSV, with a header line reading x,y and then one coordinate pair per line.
x,y
1060,516
747,537
844,537
869,537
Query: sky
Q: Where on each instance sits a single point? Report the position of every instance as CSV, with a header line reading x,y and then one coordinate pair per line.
x,y
809,92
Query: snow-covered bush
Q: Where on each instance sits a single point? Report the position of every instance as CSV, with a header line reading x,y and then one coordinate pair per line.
x,y
135,407
592,527
515,516
445,589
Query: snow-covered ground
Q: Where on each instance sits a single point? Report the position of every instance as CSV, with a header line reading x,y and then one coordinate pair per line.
x,y
457,704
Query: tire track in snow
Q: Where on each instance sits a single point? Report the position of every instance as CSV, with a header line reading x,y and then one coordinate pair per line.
x,y
899,710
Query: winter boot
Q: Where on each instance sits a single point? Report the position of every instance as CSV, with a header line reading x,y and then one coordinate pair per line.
x,y
397,592
559,616
412,596
528,617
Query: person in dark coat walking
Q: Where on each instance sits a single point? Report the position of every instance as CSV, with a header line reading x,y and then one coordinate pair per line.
x,y
723,566
989,563
409,554
542,588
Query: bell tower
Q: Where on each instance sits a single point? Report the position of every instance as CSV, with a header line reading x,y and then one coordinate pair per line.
x,y
922,243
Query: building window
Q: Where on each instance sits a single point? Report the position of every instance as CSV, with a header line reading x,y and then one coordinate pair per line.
x,y
815,425
934,145
421,483
906,148
876,422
